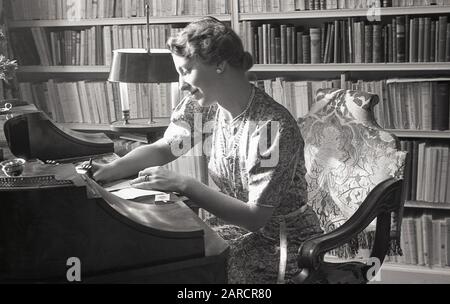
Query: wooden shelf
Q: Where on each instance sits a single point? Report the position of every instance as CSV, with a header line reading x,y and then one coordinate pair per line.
x,y
140,125
344,13
65,69
136,125
353,71
420,133
87,127
427,205
276,68
68,73
396,273
109,21
352,67
418,268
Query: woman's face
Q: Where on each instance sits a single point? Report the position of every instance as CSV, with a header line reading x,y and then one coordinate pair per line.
x,y
197,78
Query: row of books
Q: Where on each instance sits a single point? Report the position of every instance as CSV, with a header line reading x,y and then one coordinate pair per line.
x,y
404,39
418,105
415,104
92,9
296,96
271,6
6,92
98,102
90,46
425,241
428,174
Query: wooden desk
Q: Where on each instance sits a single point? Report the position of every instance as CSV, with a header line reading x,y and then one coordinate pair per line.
x,y
116,240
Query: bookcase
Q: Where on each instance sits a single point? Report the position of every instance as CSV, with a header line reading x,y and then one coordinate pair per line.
x,y
298,46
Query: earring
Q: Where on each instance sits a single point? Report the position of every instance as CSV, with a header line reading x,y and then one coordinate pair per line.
x,y
219,71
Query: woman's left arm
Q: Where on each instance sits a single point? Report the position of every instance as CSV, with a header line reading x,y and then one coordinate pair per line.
x,y
247,215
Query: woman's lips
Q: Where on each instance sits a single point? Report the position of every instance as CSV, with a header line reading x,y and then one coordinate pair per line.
x,y
195,93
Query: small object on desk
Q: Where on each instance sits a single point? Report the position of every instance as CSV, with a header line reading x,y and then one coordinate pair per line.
x,y
122,188
6,109
85,168
51,162
13,167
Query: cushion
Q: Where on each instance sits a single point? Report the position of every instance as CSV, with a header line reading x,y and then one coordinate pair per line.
x,y
346,154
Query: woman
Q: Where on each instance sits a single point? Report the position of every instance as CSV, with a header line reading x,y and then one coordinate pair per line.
x,y
254,149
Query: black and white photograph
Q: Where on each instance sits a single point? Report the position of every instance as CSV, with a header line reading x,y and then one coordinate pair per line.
x,y
245,143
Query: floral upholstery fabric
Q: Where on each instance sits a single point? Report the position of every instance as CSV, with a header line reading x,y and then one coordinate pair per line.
x,y
346,154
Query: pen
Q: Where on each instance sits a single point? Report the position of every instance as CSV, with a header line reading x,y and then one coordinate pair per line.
x,y
89,170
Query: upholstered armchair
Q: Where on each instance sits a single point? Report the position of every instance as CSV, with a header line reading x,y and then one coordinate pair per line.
x,y
354,176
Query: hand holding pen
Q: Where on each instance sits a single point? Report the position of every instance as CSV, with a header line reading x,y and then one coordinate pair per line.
x,y
97,171
88,167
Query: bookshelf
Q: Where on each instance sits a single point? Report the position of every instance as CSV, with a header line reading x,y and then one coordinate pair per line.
x,y
110,21
344,13
294,71
427,205
350,72
420,134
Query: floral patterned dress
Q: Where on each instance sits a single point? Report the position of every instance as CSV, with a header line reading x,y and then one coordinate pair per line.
x,y
257,158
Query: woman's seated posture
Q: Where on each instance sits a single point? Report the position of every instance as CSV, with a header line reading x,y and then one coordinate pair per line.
x,y
254,150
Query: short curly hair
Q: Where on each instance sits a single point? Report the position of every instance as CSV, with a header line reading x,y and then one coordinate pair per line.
x,y
212,42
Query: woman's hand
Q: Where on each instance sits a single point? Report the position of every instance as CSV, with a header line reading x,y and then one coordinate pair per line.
x,y
99,172
157,178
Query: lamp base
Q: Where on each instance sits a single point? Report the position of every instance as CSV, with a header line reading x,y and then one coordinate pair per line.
x,y
140,125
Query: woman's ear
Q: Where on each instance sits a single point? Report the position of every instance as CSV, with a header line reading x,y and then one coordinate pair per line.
x,y
221,67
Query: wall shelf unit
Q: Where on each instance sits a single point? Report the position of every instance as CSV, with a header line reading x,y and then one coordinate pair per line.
x,y
110,21
344,13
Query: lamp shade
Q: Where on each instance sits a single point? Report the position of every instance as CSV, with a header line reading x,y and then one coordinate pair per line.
x,y
142,66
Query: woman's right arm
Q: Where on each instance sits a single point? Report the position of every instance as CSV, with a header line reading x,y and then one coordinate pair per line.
x,y
155,154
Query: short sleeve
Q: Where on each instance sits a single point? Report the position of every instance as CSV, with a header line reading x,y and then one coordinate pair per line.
x,y
274,154
187,125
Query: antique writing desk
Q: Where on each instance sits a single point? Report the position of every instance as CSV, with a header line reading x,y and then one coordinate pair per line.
x,y
51,213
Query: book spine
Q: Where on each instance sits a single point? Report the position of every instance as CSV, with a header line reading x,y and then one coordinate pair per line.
x,y
368,41
315,45
400,36
440,106
299,39
306,49
442,38
377,43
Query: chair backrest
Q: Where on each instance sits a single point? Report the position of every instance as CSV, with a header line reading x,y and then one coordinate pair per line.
x,y
346,154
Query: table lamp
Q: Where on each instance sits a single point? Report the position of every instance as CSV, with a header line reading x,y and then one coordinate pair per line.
x,y
141,66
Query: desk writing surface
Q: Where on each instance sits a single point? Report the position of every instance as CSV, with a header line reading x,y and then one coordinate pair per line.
x,y
213,246
175,217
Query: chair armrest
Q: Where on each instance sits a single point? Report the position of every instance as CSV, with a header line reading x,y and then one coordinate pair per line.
x,y
379,200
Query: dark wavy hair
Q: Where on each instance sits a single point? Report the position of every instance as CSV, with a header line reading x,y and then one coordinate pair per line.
x,y
212,42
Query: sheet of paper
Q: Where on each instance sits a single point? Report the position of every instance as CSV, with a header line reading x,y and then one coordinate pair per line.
x,y
117,185
132,193
123,189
